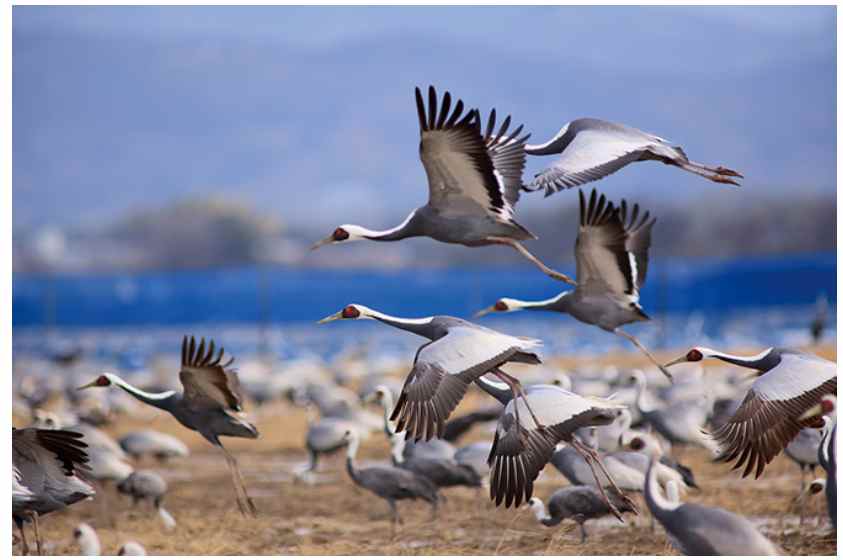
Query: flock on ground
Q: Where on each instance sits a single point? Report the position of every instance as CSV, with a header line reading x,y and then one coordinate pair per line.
x,y
586,424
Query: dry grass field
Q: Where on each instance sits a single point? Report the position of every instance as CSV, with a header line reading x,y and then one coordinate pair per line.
x,y
334,517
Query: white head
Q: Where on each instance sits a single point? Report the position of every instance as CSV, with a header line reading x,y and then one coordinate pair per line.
x,y
343,234
826,407
351,311
563,380
352,438
647,445
87,539
104,380
537,507
503,305
45,420
132,548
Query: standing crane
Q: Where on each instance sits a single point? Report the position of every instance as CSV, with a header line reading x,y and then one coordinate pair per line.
x,y
612,257
209,404
46,465
789,384
458,353
697,530
473,179
590,149
577,502
827,453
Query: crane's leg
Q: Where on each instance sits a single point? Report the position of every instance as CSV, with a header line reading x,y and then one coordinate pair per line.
x,y
644,350
517,391
37,533
591,457
533,259
583,534
24,545
716,174
244,502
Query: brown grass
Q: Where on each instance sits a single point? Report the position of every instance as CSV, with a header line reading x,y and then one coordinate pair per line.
x,y
336,518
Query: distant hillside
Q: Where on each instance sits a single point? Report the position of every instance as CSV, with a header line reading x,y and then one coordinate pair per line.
x,y
216,232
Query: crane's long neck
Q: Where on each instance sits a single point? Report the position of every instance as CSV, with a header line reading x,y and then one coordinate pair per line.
x,y
402,231
397,444
560,303
158,400
658,504
351,453
499,391
641,394
387,402
421,327
763,361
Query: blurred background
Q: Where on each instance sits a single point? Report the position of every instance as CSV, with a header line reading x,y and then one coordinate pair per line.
x,y
172,165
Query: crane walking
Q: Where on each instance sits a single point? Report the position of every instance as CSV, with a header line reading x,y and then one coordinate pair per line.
x,y
209,404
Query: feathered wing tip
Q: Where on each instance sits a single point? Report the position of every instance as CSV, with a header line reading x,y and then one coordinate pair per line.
x,y
191,356
429,396
516,461
431,119
68,447
597,211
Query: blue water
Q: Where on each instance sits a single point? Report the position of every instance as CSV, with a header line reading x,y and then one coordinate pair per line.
x,y
282,295
126,318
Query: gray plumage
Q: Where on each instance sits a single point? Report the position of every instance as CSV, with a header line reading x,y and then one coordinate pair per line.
x,y
590,149
209,403
789,384
697,530
146,485
390,483
47,463
443,472
150,442
325,436
612,255
475,455
474,181
579,503
457,354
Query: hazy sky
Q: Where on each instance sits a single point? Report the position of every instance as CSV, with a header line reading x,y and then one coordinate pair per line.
x,y
308,112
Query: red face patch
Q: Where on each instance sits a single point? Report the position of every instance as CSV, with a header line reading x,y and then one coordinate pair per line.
x,y
637,444
694,355
350,312
827,406
500,306
102,381
340,234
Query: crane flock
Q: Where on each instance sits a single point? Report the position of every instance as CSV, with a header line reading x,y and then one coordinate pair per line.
x,y
474,175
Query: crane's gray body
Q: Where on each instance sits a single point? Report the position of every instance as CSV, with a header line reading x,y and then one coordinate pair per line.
x,y
827,457
393,484
697,530
581,503
471,226
594,306
144,485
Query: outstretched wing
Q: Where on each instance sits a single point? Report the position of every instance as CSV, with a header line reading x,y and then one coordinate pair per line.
x,y
460,163
443,370
66,448
768,418
601,248
589,149
207,382
638,233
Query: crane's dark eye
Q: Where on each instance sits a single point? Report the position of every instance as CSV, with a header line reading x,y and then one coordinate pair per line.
x,y
694,355
340,234
637,444
77,533
350,312
500,305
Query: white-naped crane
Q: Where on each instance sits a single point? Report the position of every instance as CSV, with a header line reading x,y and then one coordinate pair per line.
x,y
697,530
590,149
578,503
789,384
151,442
148,485
523,444
47,464
473,179
612,255
459,353
209,404
827,453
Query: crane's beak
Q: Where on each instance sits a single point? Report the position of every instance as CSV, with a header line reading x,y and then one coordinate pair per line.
x,y
326,241
815,410
87,385
486,311
329,318
679,360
